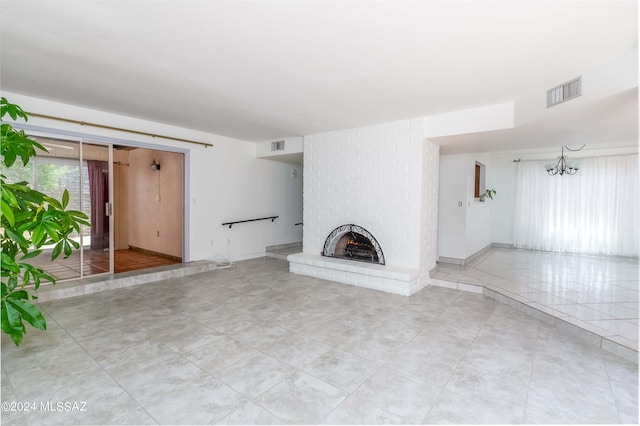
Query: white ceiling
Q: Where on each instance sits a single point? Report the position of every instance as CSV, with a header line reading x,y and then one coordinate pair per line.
x,y
260,70
611,121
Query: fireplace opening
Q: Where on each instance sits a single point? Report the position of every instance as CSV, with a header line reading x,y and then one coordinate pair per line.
x,y
353,242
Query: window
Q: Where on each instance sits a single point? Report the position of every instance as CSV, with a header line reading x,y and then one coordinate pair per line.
x,y
52,176
594,212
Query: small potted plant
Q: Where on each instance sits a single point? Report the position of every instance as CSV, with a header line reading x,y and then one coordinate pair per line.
x,y
489,193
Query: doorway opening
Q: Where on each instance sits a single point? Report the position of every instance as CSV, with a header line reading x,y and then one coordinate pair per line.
x,y
148,208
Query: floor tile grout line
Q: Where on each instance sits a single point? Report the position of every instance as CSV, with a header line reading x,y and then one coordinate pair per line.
x,y
374,372
253,400
297,371
351,394
613,394
21,415
140,405
531,370
461,358
556,317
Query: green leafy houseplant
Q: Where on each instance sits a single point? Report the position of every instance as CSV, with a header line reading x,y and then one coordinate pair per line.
x,y
30,220
489,193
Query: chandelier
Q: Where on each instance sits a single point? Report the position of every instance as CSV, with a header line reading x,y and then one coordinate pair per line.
x,y
562,166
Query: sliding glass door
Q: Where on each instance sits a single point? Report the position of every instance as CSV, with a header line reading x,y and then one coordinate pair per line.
x,y
138,225
83,169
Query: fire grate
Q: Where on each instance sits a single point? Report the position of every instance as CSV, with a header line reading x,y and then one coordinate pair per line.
x,y
353,242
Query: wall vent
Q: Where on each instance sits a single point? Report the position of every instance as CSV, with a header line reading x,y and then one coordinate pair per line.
x,y
277,146
564,92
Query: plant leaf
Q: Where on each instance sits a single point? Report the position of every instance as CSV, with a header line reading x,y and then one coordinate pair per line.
x,y
47,277
7,212
38,235
12,283
7,194
29,312
8,263
20,294
56,250
31,254
13,316
67,249
22,242
25,279
16,334
9,158
65,199
52,201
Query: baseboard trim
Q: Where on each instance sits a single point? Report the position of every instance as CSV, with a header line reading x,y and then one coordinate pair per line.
x,y
502,245
283,246
474,256
168,256
451,260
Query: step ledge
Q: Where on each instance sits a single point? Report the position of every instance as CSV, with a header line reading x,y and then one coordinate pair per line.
x,y
370,269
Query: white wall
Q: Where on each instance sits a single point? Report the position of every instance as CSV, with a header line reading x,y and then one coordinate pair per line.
x,y
502,176
293,145
224,183
478,233
155,204
452,224
429,219
381,177
244,187
463,230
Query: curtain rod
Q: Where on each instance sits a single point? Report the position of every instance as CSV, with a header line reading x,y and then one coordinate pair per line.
x,y
102,126
519,160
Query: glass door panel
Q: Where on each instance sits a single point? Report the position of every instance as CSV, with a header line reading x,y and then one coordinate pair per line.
x,y
97,240
52,173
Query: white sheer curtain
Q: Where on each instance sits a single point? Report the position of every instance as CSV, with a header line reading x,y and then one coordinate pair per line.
x,y
593,212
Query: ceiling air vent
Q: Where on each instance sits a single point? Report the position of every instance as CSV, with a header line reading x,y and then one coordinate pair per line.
x,y
564,92
277,146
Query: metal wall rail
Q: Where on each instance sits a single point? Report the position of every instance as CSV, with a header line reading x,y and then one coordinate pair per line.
x,y
250,220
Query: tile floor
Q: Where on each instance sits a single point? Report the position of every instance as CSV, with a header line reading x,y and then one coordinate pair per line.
x,y
599,294
255,344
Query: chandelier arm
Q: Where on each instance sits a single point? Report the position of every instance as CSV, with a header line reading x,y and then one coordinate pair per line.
x,y
562,166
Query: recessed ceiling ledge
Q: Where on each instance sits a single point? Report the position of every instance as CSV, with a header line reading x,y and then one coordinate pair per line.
x,y
482,119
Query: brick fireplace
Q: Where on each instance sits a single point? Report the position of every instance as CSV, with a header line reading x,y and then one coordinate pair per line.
x,y
383,179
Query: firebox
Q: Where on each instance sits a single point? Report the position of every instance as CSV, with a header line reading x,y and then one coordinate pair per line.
x,y
353,242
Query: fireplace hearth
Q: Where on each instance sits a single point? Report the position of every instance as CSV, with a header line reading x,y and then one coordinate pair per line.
x,y
353,242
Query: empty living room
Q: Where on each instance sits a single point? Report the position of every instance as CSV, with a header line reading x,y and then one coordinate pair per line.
x,y
319,212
